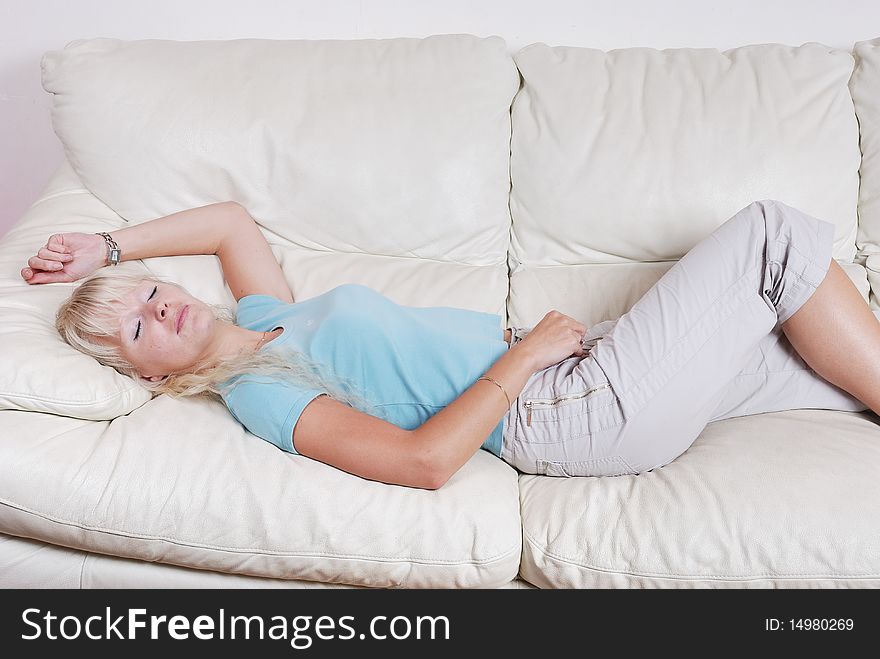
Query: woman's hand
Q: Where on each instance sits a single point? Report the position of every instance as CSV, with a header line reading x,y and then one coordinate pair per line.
x,y
65,258
555,338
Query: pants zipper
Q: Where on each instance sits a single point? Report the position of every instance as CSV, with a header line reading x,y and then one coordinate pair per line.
x,y
550,402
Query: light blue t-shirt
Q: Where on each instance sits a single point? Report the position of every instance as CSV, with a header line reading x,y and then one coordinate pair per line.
x,y
409,361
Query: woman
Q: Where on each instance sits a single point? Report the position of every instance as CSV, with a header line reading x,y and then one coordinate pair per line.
x,y
756,317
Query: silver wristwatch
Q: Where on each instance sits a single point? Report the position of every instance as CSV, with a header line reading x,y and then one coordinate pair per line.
x,y
113,252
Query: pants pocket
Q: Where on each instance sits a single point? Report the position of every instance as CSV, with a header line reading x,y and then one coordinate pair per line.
x,y
517,334
613,465
571,414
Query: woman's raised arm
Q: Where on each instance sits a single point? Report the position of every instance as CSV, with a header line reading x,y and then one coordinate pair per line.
x,y
194,231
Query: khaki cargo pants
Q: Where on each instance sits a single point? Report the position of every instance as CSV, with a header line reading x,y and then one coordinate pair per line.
x,y
703,344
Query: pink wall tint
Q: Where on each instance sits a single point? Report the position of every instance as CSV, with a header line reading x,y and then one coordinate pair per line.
x,y
30,151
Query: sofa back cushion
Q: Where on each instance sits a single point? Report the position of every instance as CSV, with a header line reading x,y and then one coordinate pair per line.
x,y
621,161
865,87
354,150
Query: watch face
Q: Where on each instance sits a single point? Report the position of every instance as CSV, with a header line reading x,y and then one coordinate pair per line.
x,y
114,256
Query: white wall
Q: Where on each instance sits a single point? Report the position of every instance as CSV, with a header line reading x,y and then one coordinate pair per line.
x,y
30,152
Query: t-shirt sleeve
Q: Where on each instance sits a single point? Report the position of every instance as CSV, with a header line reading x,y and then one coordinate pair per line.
x,y
269,408
253,307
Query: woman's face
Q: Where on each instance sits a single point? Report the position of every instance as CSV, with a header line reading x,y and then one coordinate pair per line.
x,y
163,329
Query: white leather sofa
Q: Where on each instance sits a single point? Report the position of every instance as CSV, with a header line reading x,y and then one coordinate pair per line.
x,y
440,171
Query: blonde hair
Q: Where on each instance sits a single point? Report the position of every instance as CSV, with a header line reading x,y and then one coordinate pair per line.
x,y
93,311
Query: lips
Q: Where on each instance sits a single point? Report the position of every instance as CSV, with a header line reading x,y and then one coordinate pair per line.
x,y
182,317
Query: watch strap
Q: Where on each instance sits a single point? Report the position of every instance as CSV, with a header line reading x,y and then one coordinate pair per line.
x,y
114,254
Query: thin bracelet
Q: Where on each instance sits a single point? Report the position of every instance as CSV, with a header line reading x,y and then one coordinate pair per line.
x,y
509,404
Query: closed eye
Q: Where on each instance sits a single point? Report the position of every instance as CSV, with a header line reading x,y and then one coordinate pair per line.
x,y
138,330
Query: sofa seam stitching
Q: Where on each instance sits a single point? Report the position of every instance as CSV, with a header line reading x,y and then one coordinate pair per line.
x,y
68,401
670,575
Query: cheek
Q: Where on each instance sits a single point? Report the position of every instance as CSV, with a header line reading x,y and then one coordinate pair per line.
x,y
197,318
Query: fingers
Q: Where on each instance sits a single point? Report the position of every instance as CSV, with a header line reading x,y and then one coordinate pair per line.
x,y
55,245
37,277
51,254
37,263
56,248
50,259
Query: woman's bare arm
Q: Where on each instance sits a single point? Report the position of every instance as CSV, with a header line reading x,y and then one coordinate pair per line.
x,y
189,232
426,457
225,229
68,257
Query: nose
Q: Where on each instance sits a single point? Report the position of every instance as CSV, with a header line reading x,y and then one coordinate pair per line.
x,y
162,311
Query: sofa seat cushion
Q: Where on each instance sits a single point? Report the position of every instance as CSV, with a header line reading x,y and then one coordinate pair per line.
x,y
26,563
179,481
783,499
